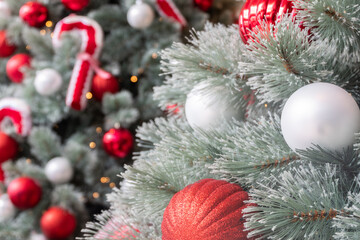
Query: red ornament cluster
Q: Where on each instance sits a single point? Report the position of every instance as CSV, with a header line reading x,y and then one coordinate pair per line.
x,y
34,14
255,11
204,5
100,86
75,5
57,223
118,142
8,147
6,48
208,209
14,67
24,192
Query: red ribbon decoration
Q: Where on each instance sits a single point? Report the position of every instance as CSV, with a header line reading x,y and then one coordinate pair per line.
x,y
167,8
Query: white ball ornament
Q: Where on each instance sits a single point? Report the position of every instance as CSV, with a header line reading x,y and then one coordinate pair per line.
x,y
7,209
210,110
47,81
140,15
322,114
59,170
37,236
4,9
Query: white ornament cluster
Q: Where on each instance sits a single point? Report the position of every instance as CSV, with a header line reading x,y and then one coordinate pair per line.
x,y
59,170
322,114
47,81
140,15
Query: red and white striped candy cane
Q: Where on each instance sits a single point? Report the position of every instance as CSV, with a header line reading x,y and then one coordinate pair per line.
x,y
18,111
92,42
167,8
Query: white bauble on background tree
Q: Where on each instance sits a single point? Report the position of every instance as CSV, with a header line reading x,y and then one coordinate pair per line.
x,y
7,209
47,81
322,114
59,170
5,11
210,110
140,15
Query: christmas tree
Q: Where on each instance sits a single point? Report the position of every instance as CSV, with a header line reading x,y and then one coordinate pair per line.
x,y
76,80
266,142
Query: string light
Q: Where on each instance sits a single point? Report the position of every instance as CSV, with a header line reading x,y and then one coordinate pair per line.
x,y
99,130
49,24
117,125
154,55
96,195
265,105
140,71
134,79
92,145
112,185
28,161
43,32
89,95
52,35
104,180
28,47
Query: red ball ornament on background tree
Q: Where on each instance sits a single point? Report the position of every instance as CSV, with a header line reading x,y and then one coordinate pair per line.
x,y
8,147
75,5
24,192
14,67
206,210
204,4
57,223
101,85
34,14
255,11
118,142
2,176
6,48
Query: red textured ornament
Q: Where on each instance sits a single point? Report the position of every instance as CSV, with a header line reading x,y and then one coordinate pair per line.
x,y
75,5
34,14
24,192
100,86
6,49
8,147
206,210
255,11
118,142
204,4
14,67
57,223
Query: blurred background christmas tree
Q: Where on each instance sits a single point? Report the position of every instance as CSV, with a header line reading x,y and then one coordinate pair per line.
x,y
76,78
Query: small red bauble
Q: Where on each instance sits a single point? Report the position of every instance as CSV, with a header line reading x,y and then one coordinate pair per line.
x,y
24,192
118,142
100,86
57,223
34,14
14,67
2,176
8,147
255,11
206,210
75,5
204,4
6,49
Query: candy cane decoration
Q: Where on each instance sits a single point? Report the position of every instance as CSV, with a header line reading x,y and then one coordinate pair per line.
x,y
18,111
167,8
91,45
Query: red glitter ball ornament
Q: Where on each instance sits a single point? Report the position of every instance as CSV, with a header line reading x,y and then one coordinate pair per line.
x,y
100,86
204,4
57,223
75,5
24,192
118,142
255,11
34,14
6,49
14,67
8,147
206,210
